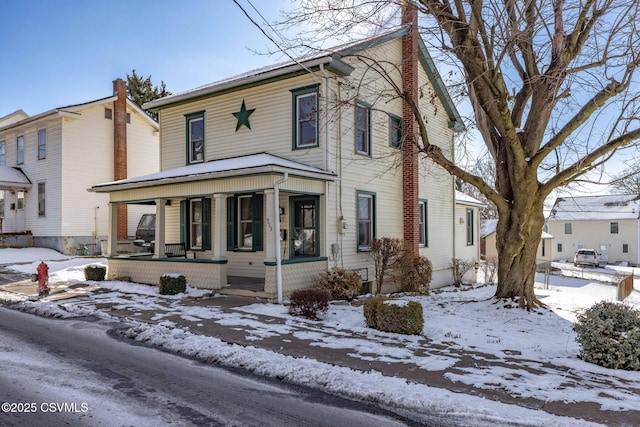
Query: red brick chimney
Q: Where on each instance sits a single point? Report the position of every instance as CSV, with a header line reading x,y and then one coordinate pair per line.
x,y
120,147
410,173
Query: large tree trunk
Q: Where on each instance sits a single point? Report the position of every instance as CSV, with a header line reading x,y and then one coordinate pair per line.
x,y
517,238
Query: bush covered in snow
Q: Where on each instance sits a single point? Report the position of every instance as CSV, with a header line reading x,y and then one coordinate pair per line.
x,y
172,284
394,315
342,283
310,303
95,272
609,336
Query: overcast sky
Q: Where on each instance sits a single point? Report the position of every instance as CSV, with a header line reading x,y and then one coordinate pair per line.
x,y
61,52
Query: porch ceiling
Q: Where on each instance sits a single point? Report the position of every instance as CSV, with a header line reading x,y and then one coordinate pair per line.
x,y
13,179
233,167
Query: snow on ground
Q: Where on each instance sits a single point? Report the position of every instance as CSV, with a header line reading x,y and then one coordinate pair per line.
x,y
537,350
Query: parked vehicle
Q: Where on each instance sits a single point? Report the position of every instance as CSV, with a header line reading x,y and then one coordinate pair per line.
x,y
587,257
146,231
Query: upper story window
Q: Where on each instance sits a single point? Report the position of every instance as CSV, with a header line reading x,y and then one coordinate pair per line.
x,y
20,154
614,228
568,229
108,113
195,138
42,144
363,129
366,220
395,131
423,223
3,159
305,120
470,238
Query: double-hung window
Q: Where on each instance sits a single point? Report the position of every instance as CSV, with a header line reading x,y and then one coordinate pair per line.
x,y
305,119
423,223
395,131
42,144
244,222
195,137
195,223
613,228
20,153
366,212
568,229
363,128
470,238
3,158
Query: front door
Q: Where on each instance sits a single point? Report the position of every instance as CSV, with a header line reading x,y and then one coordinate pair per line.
x,y
304,227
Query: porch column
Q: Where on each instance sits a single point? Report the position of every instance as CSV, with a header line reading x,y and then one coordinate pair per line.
x,y
270,227
112,237
160,231
220,227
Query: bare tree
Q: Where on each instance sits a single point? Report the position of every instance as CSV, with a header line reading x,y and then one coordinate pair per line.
x,y
552,88
626,182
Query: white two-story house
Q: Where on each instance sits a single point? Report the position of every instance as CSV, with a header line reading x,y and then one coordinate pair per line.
x,y
282,172
48,161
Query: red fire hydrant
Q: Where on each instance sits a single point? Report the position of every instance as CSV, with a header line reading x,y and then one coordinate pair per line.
x,y
43,279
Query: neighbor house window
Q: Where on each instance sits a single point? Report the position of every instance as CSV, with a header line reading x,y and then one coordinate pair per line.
x,y
625,248
195,138
20,144
422,223
20,200
363,129
108,113
613,228
3,159
1,206
129,118
567,228
395,131
244,222
544,247
195,223
366,212
305,231
41,199
42,144
559,247
470,238
305,120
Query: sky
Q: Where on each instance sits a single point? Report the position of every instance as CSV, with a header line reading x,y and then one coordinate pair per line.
x,y
64,52
527,363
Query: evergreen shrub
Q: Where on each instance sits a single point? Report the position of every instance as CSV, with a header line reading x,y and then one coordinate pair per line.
x,y
95,272
172,284
608,334
400,317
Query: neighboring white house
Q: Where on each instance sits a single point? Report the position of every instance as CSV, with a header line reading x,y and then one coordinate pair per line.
x,y
609,223
48,161
467,227
283,172
488,245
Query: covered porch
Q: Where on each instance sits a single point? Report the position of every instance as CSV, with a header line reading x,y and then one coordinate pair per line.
x,y
13,186
254,224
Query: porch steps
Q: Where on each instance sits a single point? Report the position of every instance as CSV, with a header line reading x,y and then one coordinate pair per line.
x,y
246,293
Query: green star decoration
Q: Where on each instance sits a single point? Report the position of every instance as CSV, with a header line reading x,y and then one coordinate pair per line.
x,y
243,116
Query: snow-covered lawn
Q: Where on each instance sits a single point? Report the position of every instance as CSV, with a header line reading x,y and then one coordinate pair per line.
x,y
537,351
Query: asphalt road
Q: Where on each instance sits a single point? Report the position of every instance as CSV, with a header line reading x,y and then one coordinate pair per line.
x,y
76,373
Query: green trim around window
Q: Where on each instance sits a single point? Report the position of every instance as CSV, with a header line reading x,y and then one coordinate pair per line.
x,y
292,225
295,95
185,214
367,110
370,196
193,154
470,227
395,131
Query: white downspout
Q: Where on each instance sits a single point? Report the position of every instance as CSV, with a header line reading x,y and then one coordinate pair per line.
x,y
327,123
276,204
